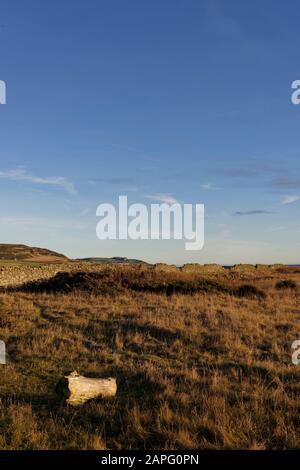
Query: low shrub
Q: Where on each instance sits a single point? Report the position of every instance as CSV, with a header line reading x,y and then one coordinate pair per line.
x,y
286,284
111,281
249,291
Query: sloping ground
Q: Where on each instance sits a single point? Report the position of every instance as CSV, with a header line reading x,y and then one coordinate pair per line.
x,y
114,260
14,252
204,371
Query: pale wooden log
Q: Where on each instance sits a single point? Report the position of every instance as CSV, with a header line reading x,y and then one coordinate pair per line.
x,y
76,389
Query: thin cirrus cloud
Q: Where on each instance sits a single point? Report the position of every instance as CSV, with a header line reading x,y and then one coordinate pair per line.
x,y
209,187
164,198
289,199
252,212
20,174
40,224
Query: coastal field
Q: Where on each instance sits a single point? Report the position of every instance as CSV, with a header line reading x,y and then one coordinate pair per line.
x,y
202,356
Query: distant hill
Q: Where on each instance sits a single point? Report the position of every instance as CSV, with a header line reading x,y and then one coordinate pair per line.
x,y
114,260
14,252
23,253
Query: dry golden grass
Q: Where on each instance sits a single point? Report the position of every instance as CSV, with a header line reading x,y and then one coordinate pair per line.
x,y
206,370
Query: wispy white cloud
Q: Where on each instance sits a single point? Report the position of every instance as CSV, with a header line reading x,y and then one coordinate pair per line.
x,y
209,187
164,198
40,224
85,211
19,174
289,199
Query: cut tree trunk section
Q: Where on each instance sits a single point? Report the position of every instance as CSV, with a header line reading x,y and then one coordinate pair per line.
x,y
76,389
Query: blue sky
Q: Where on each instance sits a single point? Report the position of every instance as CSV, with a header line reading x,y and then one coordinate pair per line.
x,y
153,99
